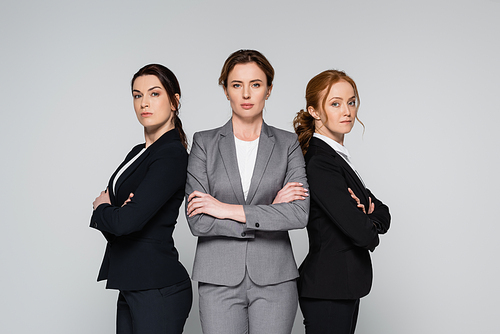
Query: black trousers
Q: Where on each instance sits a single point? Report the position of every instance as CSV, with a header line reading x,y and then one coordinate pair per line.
x,y
155,311
324,316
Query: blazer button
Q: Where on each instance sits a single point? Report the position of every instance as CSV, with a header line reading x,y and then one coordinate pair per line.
x,y
243,234
257,225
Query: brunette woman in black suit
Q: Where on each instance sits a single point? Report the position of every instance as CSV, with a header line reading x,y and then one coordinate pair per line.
x,y
138,211
345,218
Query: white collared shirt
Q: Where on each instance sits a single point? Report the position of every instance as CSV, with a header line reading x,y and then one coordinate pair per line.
x,y
246,154
341,150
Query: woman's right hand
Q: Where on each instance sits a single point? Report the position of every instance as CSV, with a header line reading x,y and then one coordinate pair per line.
x,y
292,191
128,199
371,206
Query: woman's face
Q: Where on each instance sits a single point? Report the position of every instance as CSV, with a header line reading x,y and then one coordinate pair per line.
x,y
339,112
152,105
247,90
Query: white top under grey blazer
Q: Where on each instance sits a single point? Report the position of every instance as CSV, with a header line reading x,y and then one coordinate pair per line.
x,y
226,248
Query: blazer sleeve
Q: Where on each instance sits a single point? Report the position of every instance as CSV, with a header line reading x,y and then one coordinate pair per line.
x,y
203,225
283,216
380,216
329,191
166,174
272,217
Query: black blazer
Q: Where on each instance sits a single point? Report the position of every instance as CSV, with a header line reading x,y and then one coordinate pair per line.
x,y
140,253
338,264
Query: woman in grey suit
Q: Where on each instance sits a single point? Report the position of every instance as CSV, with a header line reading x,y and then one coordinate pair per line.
x,y
246,187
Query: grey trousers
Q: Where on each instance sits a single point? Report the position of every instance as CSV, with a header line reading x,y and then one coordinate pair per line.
x,y
248,308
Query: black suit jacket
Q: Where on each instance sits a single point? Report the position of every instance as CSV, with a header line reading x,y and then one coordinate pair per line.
x,y
338,264
140,253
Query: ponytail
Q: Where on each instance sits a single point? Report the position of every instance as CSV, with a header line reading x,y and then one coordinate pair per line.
x,y
178,126
303,123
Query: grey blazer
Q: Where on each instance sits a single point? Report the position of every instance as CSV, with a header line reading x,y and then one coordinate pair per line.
x,y
262,245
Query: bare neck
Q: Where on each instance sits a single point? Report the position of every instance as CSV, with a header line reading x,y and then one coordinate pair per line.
x,y
151,135
247,129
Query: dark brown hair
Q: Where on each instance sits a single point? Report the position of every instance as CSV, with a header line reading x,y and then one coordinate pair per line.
x,y
316,95
172,87
244,57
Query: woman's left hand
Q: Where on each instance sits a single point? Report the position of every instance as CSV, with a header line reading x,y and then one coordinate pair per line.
x,y
199,202
102,198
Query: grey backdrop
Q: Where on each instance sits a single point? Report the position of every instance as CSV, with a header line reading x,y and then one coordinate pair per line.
x,y
428,77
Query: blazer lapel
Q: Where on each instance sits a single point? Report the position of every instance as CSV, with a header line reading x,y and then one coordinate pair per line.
x,y
266,146
110,183
112,194
227,150
342,163
351,172
130,169
166,137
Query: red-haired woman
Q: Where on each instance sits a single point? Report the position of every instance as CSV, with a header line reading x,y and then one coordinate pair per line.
x,y
345,218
